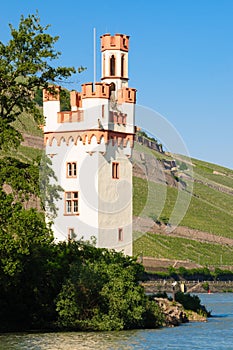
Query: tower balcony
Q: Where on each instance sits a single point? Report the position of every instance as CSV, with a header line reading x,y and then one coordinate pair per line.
x,y
117,118
70,116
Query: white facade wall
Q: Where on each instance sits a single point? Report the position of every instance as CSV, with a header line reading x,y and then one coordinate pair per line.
x,y
86,223
105,204
115,201
50,110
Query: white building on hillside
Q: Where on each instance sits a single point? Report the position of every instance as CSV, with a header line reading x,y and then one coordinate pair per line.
x,y
90,148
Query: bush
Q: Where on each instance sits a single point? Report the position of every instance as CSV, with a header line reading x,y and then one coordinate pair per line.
x,y
191,302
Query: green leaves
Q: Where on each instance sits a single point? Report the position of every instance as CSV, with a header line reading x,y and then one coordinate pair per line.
x,y
25,66
102,293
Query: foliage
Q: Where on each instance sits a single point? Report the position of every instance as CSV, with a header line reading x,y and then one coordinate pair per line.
x,y
144,134
205,286
191,302
25,66
183,166
49,189
104,294
64,99
69,285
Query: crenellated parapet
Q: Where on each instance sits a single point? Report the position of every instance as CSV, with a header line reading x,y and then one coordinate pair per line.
x,y
97,90
51,94
126,95
115,42
75,100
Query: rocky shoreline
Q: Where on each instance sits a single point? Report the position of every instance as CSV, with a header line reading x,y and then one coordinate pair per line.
x,y
175,314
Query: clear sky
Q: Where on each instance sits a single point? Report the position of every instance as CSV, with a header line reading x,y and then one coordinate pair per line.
x,y
181,58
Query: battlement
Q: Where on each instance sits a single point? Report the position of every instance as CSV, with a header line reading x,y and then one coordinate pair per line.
x,y
70,116
127,95
75,100
102,90
115,42
51,94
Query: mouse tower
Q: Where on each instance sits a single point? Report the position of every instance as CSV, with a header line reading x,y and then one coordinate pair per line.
x,y
90,148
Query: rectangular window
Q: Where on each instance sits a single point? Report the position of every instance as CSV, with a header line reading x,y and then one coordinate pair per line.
x,y
71,169
71,203
71,234
120,234
115,170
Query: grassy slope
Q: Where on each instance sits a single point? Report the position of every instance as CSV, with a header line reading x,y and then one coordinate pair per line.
x,y
210,210
160,246
26,125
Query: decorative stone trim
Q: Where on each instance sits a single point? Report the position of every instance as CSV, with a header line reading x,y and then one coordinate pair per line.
x,y
86,136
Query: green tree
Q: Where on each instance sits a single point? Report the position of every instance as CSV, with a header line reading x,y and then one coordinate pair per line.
x,y
25,66
102,293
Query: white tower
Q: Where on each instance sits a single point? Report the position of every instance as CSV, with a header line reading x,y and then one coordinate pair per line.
x,y
90,148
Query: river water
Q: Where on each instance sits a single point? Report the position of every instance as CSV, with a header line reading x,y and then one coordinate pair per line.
x,y
216,334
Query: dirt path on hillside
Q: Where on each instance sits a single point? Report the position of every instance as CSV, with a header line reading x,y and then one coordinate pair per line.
x,y
200,236
147,225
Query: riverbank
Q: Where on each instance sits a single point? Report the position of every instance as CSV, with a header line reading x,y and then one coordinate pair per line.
x,y
156,286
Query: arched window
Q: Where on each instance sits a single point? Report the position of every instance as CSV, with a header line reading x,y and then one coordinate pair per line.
x,y
112,65
112,87
122,65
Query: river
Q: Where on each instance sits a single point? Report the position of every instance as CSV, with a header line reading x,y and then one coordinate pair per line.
x,y
216,334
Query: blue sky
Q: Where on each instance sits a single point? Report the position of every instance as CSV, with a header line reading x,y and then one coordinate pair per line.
x,y
181,58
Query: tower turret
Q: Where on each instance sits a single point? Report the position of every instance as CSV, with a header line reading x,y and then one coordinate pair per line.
x,y
115,59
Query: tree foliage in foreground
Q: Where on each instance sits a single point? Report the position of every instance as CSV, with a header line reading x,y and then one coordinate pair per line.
x,y
103,293
68,286
25,66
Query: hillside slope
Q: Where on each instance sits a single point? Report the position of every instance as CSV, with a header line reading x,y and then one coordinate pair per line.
x,y
205,233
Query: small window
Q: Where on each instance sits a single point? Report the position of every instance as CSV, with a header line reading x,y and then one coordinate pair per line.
x,y
122,66
71,203
115,170
71,234
120,234
112,65
102,111
71,169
